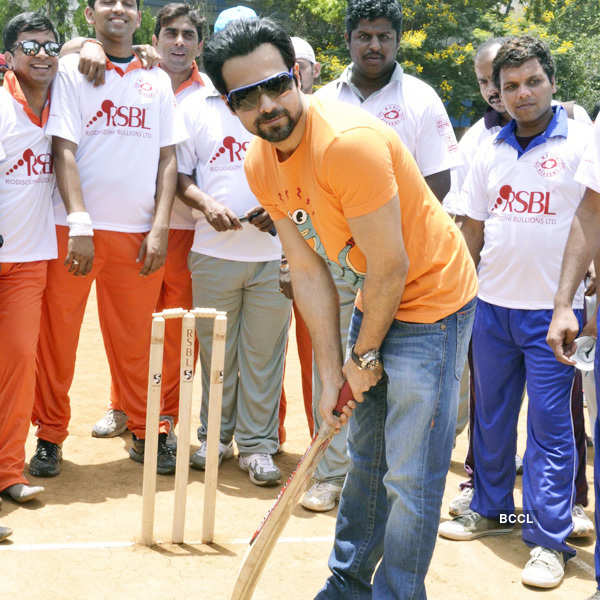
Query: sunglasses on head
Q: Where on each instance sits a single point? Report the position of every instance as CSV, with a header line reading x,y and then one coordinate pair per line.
x,y
32,48
247,97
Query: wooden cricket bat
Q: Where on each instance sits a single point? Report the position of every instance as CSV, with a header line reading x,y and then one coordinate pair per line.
x,y
265,537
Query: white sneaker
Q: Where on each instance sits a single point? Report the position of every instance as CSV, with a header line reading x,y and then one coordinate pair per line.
x,y
261,468
112,424
582,525
321,496
460,504
470,526
545,568
198,459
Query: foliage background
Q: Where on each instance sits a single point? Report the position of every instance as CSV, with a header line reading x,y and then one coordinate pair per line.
x,y
438,42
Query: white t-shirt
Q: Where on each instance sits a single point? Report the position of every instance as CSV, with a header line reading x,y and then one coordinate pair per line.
x,y
588,172
26,183
119,129
470,144
181,215
468,147
527,205
413,109
216,149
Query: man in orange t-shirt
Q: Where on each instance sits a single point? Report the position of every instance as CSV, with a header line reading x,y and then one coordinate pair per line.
x,y
337,181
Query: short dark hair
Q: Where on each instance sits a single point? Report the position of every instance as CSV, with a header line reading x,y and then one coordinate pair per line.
x,y
174,10
490,43
26,21
240,38
519,50
371,10
92,2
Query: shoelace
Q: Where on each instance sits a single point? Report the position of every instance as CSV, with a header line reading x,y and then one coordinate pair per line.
x,y
261,462
545,556
163,448
469,518
578,512
47,450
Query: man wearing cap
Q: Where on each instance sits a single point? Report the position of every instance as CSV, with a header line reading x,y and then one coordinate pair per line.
x,y
234,263
309,68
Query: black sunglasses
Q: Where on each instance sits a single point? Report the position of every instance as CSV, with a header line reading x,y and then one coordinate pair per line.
x,y
32,48
247,97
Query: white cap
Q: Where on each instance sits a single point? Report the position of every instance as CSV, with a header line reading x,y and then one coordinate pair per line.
x,y
235,13
302,49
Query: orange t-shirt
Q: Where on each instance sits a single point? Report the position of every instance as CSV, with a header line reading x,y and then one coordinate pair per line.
x,y
348,164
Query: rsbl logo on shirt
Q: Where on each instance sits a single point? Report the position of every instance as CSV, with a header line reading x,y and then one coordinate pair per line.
x,y
32,164
111,115
230,151
523,202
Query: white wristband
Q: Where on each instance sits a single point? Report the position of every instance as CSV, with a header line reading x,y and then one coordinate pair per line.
x,y
80,223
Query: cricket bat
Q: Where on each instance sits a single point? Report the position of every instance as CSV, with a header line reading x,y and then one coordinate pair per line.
x,y
265,537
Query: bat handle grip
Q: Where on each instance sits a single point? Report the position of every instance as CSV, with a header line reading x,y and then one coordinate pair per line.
x,y
344,397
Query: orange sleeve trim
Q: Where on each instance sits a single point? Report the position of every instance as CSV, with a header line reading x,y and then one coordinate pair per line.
x,y
195,77
12,86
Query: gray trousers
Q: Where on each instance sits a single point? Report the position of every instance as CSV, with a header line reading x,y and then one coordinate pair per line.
x,y
258,317
335,463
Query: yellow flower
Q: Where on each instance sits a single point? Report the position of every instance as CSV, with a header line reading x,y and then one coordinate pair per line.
x,y
414,38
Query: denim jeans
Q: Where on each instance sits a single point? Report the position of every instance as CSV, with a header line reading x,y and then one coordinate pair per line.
x,y
399,440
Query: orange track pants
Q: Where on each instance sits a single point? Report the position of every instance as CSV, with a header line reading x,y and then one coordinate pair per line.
x,y
175,292
21,290
126,301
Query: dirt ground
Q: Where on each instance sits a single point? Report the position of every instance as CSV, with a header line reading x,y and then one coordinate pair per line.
x,y
78,540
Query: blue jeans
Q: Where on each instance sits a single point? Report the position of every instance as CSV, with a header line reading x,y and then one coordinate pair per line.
x,y
399,440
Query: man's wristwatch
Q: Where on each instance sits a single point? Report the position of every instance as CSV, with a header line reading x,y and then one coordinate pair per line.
x,y
369,360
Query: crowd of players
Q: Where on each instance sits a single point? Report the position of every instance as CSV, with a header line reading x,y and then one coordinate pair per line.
x,y
134,176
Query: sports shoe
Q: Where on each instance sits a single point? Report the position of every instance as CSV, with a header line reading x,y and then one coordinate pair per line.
x,y
460,504
261,468
470,526
21,493
518,464
321,496
582,525
596,596
167,456
5,532
46,460
545,568
112,424
198,459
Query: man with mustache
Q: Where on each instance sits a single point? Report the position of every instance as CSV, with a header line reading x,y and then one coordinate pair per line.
x,y
376,82
342,188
